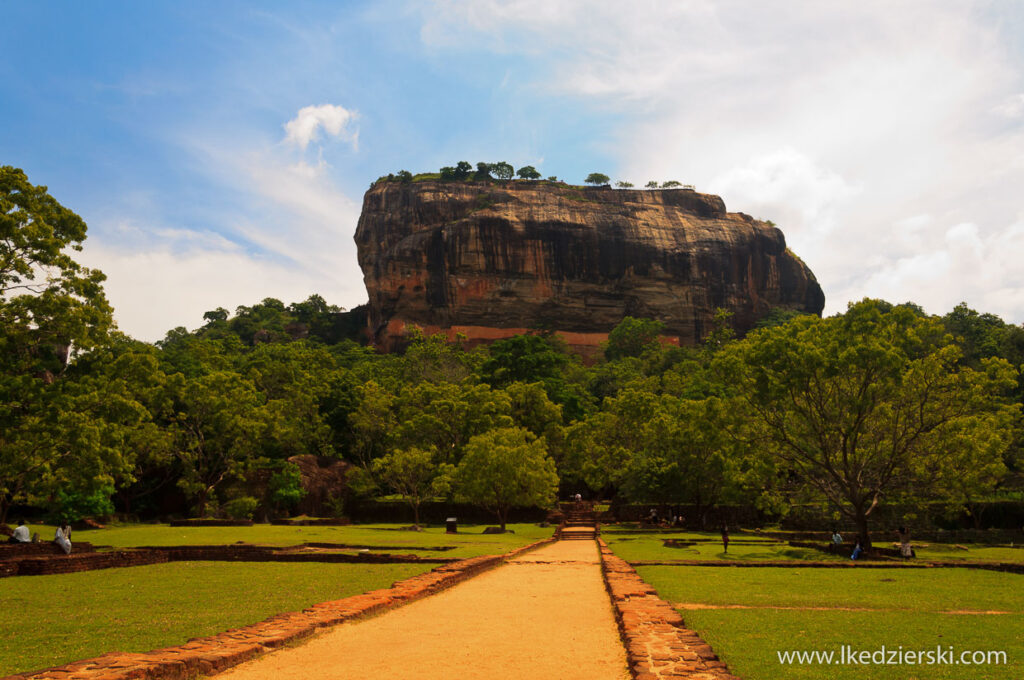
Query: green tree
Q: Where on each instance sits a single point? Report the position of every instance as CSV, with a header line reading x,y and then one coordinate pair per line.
x,y
632,336
502,170
506,468
856,406
597,178
624,185
52,310
651,185
528,172
416,475
220,421
483,171
671,184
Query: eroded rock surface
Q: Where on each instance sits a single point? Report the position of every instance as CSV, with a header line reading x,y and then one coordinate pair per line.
x,y
491,259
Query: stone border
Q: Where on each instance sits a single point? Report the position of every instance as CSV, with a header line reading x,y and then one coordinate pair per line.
x,y
209,655
40,563
658,645
1006,567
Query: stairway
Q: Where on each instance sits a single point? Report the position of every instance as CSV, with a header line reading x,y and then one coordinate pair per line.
x,y
580,523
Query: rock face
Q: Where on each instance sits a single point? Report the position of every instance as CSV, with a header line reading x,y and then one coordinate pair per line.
x,y
492,259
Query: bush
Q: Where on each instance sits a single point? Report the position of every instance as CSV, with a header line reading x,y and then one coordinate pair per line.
x,y
241,508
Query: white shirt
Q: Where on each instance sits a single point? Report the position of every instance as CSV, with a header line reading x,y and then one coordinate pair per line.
x,y
21,534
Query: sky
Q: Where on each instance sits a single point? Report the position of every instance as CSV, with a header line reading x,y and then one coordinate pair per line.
x,y
219,150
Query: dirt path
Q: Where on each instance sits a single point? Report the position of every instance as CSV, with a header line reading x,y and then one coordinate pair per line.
x,y
543,615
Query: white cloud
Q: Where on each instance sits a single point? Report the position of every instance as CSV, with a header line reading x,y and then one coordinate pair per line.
x,y
334,120
838,121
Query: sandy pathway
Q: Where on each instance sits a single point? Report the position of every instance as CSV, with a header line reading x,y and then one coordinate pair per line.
x,y
544,615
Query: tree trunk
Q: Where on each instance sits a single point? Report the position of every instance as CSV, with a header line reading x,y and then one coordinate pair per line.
x,y
861,518
416,516
503,515
201,504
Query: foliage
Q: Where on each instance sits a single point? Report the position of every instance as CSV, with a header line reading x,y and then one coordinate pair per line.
x,y
416,474
528,172
651,185
502,170
671,184
632,337
506,467
624,185
867,405
597,178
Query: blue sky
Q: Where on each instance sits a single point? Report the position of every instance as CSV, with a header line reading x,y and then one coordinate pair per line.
x,y
219,150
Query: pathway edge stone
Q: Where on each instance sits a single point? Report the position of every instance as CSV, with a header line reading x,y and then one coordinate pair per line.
x,y
210,655
658,645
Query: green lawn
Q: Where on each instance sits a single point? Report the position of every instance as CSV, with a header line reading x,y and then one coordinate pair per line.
x,y
51,620
635,546
469,542
908,608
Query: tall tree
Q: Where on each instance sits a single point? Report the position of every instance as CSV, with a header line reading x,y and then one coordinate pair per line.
x,y
506,468
855,406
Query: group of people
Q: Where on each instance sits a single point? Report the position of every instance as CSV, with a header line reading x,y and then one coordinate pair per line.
x,y
906,549
62,538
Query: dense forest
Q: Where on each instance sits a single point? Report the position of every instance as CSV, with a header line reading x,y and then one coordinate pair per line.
x,y
882,404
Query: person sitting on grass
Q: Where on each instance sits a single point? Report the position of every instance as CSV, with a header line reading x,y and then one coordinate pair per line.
x,y
63,537
20,534
837,540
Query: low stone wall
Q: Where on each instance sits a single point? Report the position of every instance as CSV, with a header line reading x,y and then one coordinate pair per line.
x,y
209,655
316,522
211,522
42,563
658,645
10,551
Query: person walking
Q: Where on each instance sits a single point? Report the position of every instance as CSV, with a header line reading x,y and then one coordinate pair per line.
x,y
725,538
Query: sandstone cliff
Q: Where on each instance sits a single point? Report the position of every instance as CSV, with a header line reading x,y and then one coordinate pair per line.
x,y
491,259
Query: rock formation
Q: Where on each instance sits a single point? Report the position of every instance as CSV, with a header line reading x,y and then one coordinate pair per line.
x,y
492,259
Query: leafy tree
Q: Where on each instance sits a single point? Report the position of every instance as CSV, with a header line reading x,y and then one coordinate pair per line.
x,y
632,336
502,170
52,311
505,468
596,178
552,178
524,358
857,407
416,475
404,176
447,173
671,184
445,416
528,172
651,185
624,185
483,171
220,420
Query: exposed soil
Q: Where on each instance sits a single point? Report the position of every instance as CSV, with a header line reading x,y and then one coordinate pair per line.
x,y
543,615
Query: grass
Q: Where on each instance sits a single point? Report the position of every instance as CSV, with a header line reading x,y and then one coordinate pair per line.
x,y
469,542
52,620
635,546
909,608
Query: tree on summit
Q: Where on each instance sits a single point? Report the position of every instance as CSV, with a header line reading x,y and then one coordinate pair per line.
x,y
597,179
502,170
528,172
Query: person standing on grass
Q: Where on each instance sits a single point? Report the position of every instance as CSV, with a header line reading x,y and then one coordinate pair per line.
x,y
63,537
905,550
725,538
